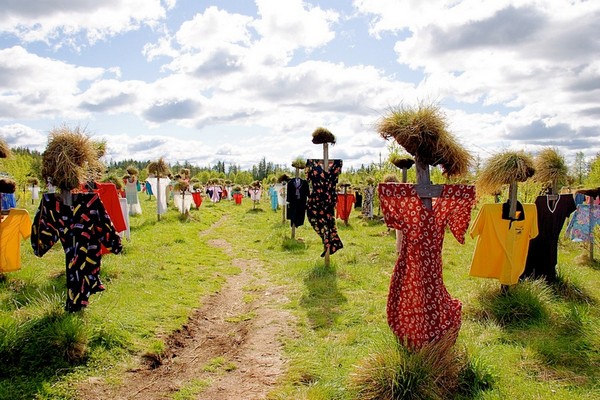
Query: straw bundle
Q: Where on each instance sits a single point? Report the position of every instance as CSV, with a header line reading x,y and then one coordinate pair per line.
x,y
504,168
299,163
4,149
68,158
370,180
390,178
133,171
185,172
422,131
181,185
159,168
237,189
550,167
113,179
401,162
256,184
7,185
32,180
322,135
283,178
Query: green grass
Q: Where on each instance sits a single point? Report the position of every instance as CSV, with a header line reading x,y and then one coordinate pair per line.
x,y
536,341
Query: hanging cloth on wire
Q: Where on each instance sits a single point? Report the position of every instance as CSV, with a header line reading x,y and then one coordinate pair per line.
x,y
419,308
321,202
297,197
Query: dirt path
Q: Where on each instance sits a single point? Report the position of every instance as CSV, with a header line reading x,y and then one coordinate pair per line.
x,y
230,347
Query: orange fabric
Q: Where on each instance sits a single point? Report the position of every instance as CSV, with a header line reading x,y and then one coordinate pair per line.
x,y
238,198
197,197
14,228
344,205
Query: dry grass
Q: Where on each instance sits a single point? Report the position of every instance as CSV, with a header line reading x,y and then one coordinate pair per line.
x,y
550,167
423,133
7,185
159,168
504,168
322,135
133,171
4,149
401,162
69,158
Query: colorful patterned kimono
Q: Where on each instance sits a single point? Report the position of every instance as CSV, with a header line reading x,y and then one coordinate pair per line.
x,y
582,223
81,229
419,308
367,207
321,202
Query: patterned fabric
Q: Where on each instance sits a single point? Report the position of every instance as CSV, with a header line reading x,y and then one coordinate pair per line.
x,y
367,208
579,227
419,308
320,206
81,229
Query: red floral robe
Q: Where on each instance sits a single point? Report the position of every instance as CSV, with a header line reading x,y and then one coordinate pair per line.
x,y
419,308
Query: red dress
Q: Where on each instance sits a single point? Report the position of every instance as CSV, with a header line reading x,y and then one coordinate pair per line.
x,y
419,308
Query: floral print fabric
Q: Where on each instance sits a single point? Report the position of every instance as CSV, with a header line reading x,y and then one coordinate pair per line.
x,y
81,229
419,308
583,222
320,206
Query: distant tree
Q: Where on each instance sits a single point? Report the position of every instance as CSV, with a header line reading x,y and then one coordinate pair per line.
x,y
593,178
580,168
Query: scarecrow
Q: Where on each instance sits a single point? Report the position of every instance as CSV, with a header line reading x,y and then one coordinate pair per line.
x,y
323,176
345,203
131,191
297,192
552,211
159,182
419,308
503,230
586,217
78,219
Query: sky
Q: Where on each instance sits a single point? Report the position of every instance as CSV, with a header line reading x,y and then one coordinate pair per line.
x,y
238,81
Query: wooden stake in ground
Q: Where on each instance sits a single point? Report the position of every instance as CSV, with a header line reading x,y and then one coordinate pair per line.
x,y
293,225
326,169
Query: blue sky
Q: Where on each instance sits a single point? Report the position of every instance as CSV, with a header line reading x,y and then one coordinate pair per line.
x,y
236,81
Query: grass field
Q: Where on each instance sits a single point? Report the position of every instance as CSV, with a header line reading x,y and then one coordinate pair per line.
x,y
540,342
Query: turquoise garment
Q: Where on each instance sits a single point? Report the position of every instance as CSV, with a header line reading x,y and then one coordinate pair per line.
x,y
274,200
583,222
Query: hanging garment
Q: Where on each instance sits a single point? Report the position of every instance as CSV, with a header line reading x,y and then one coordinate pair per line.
x,y
296,198
197,197
419,308
110,200
81,228
359,199
35,192
280,189
344,206
543,249
228,191
367,208
215,195
183,201
125,213
148,187
255,194
502,243
238,198
131,194
8,201
14,228
320,205
160,188
273,197
582,223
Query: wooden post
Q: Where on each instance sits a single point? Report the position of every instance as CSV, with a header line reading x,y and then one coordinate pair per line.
x,y
512,199
423,178
326,169
158,197
404,175
294,226
284,205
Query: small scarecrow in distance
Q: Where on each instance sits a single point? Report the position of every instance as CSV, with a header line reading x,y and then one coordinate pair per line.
x,y
160,171
323,176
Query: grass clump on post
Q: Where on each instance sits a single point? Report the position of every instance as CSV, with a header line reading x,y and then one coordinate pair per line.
x,y
550,168
322,135
68,158
438,371
504,168
4,149
423,133
401,162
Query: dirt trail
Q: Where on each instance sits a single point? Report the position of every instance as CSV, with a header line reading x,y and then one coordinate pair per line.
x,y
231,345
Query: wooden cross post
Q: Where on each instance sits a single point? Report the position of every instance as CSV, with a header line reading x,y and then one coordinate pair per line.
x,y
284,205
294,226
326,169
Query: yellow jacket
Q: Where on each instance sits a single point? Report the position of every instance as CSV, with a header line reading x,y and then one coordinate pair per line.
x,y
14,228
